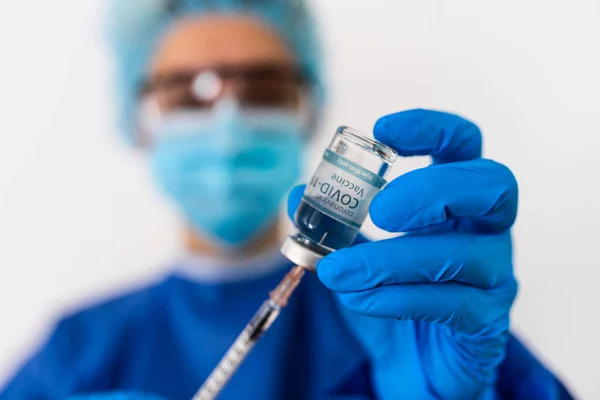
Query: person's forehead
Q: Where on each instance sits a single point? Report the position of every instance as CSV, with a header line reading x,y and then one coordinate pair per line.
x,y
198,42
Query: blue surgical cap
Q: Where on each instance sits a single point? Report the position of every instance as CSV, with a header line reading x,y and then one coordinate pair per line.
x,y
135,26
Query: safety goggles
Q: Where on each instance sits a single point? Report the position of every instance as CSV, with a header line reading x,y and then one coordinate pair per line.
x,y
257,89
256,86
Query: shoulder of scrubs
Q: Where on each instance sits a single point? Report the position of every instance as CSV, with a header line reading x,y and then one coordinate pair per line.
x,y
523,376
83,347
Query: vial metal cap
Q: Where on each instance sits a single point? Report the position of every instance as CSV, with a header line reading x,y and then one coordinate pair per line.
x,y
300,255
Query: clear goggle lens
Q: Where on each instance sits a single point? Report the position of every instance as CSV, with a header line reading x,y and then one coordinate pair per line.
x,y
256,88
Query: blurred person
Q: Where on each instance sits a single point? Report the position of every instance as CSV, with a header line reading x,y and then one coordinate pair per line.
x,y
223,96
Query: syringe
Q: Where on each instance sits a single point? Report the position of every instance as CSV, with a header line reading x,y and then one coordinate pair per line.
x,y
260,323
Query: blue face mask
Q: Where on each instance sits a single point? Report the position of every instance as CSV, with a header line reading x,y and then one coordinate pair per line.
x,y
228,170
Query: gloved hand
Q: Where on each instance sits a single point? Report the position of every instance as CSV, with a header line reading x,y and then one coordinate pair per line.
x,y
432,307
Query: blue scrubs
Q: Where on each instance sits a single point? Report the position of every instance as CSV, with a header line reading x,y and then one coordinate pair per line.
x,y
165,339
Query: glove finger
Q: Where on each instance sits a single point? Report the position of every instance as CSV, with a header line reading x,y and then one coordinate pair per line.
x,y
482,261
447,226
463,308
294,199
481,194
445,137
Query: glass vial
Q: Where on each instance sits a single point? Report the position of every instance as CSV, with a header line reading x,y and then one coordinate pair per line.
x,y
337,198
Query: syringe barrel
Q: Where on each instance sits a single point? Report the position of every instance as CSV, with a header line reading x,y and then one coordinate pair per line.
x,y
260,323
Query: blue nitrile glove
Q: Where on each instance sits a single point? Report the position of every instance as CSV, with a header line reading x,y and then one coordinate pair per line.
x,y
432,307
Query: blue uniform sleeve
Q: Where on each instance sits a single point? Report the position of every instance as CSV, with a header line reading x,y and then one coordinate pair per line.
x,y
118,396
522,376
77,358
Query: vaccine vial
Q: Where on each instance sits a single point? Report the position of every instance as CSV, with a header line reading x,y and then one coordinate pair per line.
x,y
337,198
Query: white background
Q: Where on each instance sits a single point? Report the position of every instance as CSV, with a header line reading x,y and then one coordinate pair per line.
x,y
79,218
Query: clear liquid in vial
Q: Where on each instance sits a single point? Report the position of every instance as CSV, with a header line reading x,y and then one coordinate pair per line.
x,y
325,234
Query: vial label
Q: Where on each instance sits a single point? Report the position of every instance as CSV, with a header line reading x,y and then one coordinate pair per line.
x,y
342,189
